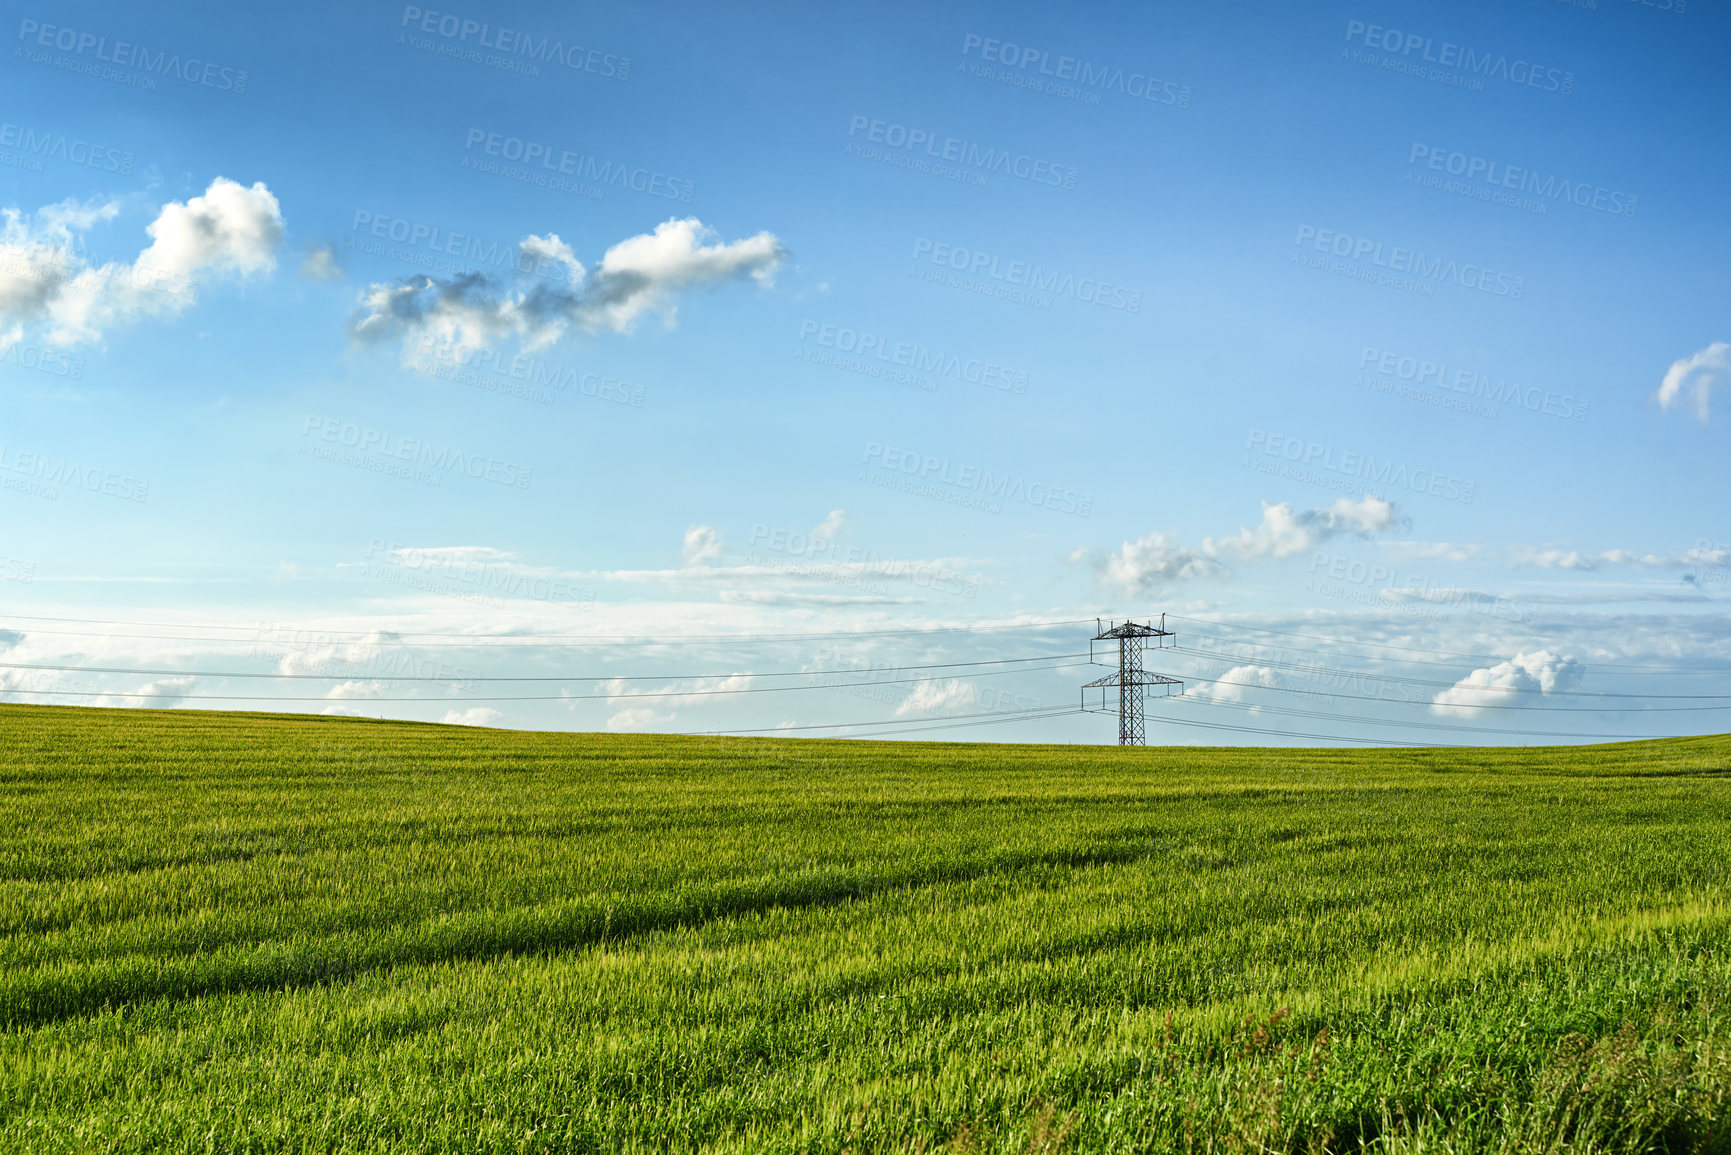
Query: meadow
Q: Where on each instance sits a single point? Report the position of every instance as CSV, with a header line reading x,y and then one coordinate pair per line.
x,y
266,933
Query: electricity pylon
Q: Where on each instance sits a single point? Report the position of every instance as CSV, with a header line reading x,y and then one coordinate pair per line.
x,y
1131,679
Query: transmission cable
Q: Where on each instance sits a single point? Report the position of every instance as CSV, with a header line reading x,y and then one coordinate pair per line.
x,y
1277,664
503,697
362,676
1476,705
1392,646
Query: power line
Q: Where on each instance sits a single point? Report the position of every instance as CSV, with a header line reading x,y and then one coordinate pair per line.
x,y
1056,713
1293,734
1130,679
1421,650
532,640
899,726
1416,725
1719,671
1277,664
1475,705
1004,715
362,676
503,697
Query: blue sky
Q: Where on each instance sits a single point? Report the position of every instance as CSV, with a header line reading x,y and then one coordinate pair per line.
x,y
1382,343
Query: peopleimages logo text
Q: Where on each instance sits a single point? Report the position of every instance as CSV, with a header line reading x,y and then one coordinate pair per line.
x,y
1423,373
61,147
1139,85
1365,467
64,471
987,159
567,163
1447,54
381,443
466,247
513,42
444,359
1005,486
491,576
1022,274
1583,194
56,362
128,55
1411,261
919,358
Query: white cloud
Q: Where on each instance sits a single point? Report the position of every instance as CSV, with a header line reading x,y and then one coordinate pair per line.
x,y
158,695
929,696
68,220
791,598
643,273
312,653
636,718
1576,560
47,283
1150,562
833,526
1564,559
551,251
231,227
357,689
447,555
1501,684
663,709
721,685
321,264
1502,607
640,275
172,690
1230,686
1433,550
1285,532
1668,636
473,716
1153,561
702,545
1690,379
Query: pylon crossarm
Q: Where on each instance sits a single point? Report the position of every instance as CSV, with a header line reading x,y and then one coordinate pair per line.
x,y
1130,679
1133,630
1136,678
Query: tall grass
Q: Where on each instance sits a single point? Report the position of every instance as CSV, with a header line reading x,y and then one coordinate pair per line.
x,y
233,932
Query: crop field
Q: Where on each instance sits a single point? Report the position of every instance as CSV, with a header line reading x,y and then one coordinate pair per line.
x,y
246,932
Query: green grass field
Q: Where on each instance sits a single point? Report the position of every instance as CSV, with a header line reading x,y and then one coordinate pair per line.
x,y
243,932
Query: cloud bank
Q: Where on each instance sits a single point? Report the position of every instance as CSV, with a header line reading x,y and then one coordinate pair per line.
x,y
473,716
1502,684
49,287
1285,532
638,276
1230,686
927,697
702,546
1569,559
1690,380
1154,561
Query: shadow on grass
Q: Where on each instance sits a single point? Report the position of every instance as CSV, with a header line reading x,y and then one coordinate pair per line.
x,y
47,995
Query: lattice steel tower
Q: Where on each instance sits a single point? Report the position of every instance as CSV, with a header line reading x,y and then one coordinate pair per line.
x,y
1131,679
